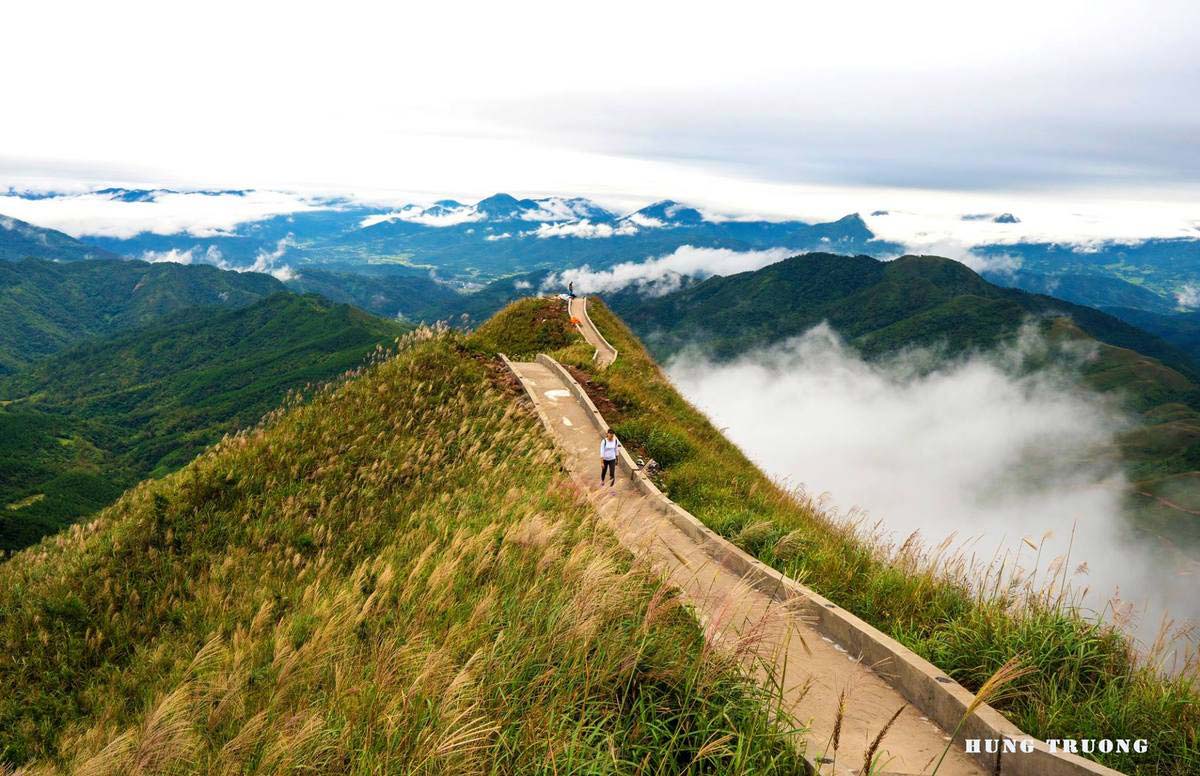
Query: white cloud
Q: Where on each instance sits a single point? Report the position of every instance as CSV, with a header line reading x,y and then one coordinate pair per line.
x,y
928,222
522,285
662,275
644,221
436,216
978,448
173,255
958,250
585,229
501,236
559,209
267,261
200,215
1188,297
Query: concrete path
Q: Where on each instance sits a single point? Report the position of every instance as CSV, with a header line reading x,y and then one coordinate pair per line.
x,y
605,353
812,670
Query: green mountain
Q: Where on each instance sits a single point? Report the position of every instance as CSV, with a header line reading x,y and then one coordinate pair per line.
x,y
21,240
927,301
394,294
878,306
1092,290
46,306
1180,329
81,426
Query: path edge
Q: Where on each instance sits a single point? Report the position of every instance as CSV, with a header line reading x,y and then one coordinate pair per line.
x,y
921,683
596,330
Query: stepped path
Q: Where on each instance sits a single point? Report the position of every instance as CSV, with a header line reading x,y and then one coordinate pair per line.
x,y
812,669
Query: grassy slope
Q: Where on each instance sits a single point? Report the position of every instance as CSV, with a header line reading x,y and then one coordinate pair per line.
x,y
1086,683
392,577
47,306
85,424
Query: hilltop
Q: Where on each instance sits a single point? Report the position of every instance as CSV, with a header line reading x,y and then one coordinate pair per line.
x,y
389,575
878,306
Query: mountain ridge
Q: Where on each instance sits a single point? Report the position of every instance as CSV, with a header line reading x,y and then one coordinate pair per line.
x,y
85,423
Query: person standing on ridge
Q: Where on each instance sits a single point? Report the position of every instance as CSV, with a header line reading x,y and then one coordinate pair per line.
x,y
571,289
609,446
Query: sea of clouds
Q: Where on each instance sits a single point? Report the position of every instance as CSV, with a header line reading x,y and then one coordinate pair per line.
x,y
662,275
980,448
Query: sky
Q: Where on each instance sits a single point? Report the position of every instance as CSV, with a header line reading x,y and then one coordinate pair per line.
x,y
1078,116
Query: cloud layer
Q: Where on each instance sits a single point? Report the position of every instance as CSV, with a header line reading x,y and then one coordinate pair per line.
x,y
662,275
267,262
195,213
585,229
978,449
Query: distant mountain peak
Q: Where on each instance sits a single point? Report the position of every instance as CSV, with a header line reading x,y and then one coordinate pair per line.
x,y
503,206
669,211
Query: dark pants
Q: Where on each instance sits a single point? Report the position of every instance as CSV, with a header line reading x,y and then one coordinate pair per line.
x,y
610,468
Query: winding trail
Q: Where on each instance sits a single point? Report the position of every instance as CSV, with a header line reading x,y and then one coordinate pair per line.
x,y
605,353
808,648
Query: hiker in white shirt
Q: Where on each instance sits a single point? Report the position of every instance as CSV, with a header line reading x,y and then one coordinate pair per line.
x,y
608,457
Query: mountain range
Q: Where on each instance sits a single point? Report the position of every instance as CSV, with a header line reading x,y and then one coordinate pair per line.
x,y
46,306
464,245
400,533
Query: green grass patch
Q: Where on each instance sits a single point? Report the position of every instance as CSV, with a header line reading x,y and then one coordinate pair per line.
x,y
393,576
1086,681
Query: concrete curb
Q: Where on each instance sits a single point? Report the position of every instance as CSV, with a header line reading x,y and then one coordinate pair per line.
x,y
595,330
937,696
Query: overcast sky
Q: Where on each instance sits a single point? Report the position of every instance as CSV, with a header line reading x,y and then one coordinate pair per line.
x,y
801,109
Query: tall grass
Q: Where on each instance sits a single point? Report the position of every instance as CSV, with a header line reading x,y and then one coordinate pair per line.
x,y
1085,681
390,576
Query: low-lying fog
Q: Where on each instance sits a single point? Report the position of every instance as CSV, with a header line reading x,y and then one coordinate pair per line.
x,y
976,448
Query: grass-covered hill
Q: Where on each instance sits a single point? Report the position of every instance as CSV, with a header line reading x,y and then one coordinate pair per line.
x,y
1085,680
885,307
22,240
393,576
878,306
80,427
46,306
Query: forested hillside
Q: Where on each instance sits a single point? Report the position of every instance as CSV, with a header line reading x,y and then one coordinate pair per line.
x,y
46,306
84,425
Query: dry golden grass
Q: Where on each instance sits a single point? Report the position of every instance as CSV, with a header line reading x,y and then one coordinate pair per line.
x,y
390,576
